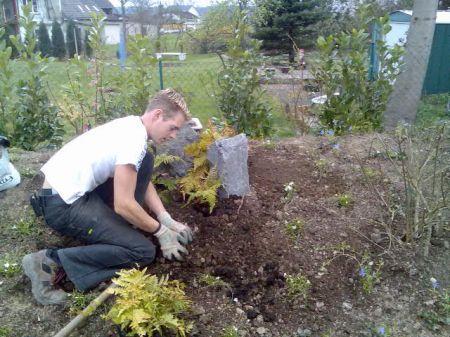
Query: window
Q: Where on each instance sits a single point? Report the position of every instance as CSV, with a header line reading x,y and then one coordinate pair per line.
x,y
33,4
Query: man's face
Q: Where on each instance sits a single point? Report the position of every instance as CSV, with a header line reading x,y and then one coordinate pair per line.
x,y
164,130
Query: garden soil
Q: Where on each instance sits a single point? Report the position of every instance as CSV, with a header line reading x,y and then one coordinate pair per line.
x,y
245,242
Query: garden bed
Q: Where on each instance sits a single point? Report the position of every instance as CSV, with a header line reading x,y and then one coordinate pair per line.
x,y
247,244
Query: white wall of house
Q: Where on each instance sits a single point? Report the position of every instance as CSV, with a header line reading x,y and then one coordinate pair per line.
x,y
112,33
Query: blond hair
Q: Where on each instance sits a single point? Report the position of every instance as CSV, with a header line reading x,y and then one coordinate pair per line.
x,y
170,102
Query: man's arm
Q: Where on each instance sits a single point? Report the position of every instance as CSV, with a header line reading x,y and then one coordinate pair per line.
x,y
125,178
153,201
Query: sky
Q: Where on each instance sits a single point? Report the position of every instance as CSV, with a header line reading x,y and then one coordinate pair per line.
x,y
198,3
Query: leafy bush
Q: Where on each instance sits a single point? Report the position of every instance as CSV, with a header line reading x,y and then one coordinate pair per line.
x,y
36,118
241,98
6,75
355,102
145,305
135,83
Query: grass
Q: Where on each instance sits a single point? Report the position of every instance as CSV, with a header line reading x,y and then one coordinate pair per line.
x,y
433,108
195,77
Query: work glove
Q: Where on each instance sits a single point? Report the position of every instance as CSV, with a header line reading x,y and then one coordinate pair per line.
x,y
185,232
170,247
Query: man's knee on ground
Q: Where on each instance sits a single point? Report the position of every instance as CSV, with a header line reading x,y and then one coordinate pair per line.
x,y
144,254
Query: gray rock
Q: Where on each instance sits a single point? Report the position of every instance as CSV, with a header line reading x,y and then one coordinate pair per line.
x,y
261,330
230,157
185,136
347,306
303,333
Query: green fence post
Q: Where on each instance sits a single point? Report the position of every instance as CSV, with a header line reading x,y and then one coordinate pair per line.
x,y
161,82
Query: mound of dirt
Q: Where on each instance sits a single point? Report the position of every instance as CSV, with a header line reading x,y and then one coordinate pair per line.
x,y
247,244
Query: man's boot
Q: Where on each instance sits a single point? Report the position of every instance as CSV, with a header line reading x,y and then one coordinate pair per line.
x,y
41,270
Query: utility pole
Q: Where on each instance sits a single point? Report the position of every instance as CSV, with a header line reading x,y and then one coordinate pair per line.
x,y
123,36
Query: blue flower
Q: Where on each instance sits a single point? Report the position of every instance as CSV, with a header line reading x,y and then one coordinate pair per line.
x,y
321,132
362,272
381,330
434,283
330,132
337,146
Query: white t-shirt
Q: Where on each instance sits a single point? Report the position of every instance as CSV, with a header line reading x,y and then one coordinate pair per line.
x,y
90,159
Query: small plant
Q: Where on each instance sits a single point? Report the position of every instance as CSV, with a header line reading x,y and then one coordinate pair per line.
x,y
27,172
438,315
369,273
369,172
79,301
212,281
322,166
215,282
201,182
294,228
9,269
146,305
24,226
160,179
230,331
345,200
289,191
298,286
382,331
5,331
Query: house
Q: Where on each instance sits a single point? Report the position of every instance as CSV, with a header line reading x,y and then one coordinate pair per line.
x,y
9,15
437,79
159,19
76,10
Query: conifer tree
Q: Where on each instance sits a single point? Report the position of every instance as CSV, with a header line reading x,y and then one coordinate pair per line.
x,y
283,20
58,45
44,43
72,37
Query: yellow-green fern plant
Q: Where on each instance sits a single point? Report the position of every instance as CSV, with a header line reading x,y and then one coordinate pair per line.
x,y
159,178
201,182
145,304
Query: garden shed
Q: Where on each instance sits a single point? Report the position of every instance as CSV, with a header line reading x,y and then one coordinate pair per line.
x,y
437,79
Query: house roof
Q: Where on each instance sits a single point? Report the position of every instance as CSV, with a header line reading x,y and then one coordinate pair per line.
x,y
442,17
80,9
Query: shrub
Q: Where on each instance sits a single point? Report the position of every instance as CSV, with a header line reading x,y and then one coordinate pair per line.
x,y
6,76
58,45
44,43
355,102
241,98
36,118
145,305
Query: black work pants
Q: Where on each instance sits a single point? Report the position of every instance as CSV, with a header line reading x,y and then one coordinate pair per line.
x,y
111,242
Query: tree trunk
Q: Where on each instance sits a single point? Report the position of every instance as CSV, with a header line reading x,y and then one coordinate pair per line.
x,y
404,100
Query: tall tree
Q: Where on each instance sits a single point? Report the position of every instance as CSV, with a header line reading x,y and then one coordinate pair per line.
x,y
280,20
44,43
404,100
58,45
73,39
